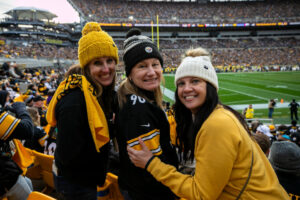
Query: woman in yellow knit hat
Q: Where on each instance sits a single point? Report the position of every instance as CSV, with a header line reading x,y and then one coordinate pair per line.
x,y
80,109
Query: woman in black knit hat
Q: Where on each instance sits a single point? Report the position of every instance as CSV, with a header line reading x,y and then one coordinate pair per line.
x,y
141,116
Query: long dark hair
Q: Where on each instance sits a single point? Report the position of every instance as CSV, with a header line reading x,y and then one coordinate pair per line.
x,y
187,128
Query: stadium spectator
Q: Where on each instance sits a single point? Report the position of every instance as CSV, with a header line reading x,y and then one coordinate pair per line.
x,y
293,128
37,142
12,70
118,11
294,109
13,184
295,137
283,133
249,113
285,159
254,125
264,142
79,109
141,115
271,107
38,102
43,90
264,129
211,130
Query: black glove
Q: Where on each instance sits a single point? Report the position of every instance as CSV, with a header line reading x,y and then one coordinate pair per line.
x,y
20,109
9,109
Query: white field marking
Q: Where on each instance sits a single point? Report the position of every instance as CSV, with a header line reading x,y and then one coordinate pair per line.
x,y
277,93
277,86
243,93
168,93
259,106
258,114
276,112
226,95
233,102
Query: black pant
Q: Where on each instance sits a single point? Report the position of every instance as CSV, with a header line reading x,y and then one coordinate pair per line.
x,y
294,112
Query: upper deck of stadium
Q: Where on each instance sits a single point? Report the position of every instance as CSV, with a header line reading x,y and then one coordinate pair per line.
x,y
124,11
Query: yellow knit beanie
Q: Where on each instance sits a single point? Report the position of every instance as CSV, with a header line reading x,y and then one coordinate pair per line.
x,y
95,43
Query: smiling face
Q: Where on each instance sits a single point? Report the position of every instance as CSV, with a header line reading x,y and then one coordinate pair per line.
x,y
191,92
147,74
103,70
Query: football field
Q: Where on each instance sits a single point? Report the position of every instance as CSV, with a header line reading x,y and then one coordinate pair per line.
x,y
257,88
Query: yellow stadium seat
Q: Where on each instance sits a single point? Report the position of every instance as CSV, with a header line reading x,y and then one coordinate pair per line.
x,y
38,196
45,163
22,156
110,190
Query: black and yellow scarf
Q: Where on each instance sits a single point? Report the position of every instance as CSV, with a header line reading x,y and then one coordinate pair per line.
x,y
96,117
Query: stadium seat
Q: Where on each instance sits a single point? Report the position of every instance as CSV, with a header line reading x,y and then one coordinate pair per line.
x,y
110,190
23,156
38,196
45,163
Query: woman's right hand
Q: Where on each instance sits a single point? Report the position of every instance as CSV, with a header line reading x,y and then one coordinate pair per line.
x,y
140,158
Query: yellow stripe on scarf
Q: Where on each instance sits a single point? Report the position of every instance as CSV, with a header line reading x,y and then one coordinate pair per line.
x,y
96,118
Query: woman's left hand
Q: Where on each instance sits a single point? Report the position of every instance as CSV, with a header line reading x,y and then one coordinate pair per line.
x,y
140,158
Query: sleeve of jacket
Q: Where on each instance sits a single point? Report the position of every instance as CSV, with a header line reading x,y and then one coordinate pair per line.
x,y
141,123
24,128
216,150
71,125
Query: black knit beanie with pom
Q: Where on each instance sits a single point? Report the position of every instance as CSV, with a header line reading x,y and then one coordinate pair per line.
x,y
138,47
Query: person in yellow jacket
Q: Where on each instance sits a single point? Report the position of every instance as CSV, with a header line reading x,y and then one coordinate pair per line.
x,y
229,163
249,112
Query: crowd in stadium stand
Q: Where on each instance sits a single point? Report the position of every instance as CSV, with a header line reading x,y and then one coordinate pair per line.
x,y
37,51
143,12
40,83
228,55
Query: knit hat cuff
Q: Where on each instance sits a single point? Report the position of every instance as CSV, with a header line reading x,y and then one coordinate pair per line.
x,y
98,48
140,52
200,67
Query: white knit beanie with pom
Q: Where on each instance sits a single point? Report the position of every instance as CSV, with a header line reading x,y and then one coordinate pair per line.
x,y
200,67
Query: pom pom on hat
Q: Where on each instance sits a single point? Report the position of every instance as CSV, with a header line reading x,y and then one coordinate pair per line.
x,y
89,27
133,31
95,43
199,66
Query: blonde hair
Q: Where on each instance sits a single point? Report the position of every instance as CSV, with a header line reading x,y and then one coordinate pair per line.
x,y
195,52
128,87
34,114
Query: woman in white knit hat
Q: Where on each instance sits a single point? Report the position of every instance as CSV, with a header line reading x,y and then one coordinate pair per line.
x,y
229,164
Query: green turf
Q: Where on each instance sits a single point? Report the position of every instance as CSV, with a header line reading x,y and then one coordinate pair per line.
x,y
255,88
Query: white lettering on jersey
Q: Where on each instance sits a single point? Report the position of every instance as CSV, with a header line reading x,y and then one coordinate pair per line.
x,y
134,98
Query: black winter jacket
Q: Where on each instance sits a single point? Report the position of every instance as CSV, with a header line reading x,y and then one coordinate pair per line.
x,y
140,118
9,170
75,155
